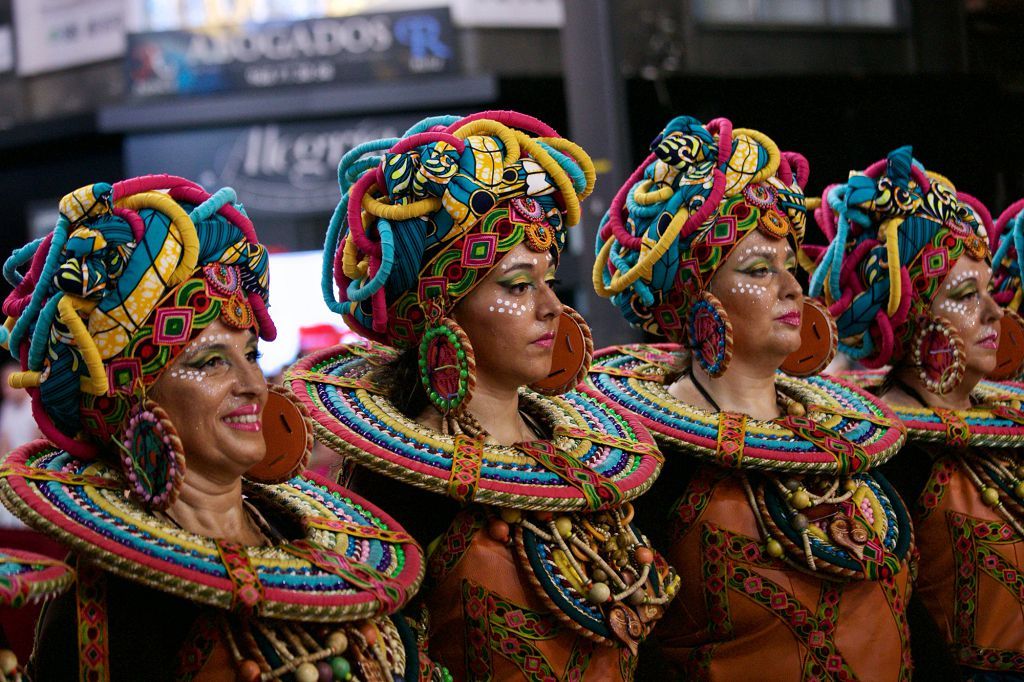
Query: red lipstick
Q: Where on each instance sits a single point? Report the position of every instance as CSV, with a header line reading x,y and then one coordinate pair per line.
x,y
545,341
792,319
245,418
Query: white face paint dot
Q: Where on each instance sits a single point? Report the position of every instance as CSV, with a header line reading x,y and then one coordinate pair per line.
x,y
750,289
962,277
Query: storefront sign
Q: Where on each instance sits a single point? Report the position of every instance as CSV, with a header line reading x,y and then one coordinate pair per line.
x,y
382,46
56,34
280,170
6,38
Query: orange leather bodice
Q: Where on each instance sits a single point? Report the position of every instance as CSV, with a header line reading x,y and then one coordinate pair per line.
x,y
488,622
972,571
742,615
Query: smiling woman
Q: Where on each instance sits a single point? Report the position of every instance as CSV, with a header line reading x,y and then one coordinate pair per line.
x,y
172,475
444,248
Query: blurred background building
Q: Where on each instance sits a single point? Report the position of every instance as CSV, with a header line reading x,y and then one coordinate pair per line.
x,y
266,95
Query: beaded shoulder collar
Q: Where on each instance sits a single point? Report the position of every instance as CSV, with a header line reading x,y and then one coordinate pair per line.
x,y
995,421
27,576
353,561
844,429
597,459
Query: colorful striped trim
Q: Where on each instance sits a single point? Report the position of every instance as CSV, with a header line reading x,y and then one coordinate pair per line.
x,y
996,420
845,430
299,582
597,458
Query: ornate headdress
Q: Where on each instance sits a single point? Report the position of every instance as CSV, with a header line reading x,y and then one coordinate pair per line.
x,y
423,219
130,275
1006,239
678,217
896,230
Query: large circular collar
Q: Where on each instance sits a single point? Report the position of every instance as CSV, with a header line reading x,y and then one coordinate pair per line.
x,y
597,459
352,562
27,576
995,421
846,430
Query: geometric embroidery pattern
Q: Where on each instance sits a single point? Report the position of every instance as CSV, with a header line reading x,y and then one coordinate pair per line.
x,y
93,639
732,427
974,554
727,569
247,591
496,626
467,458
454,542
479,250
172,326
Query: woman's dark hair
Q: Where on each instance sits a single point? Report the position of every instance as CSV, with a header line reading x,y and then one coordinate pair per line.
x,y
400,379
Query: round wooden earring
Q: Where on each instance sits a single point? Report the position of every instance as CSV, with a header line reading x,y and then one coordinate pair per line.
x,y
572,352
288,434
819,340
1010,354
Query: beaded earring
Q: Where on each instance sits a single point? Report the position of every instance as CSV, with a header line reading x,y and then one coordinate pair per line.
x,y
572,353
1010,354
937,352
819,340
710,334
152,456
288,434
447,367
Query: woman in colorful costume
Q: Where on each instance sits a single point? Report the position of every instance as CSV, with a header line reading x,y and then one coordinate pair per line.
x,y
907,276
794,552
171,474
444,247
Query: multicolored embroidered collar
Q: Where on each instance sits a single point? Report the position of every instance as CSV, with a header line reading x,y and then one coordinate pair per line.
x,y
845,429
996,420
597,459
27,576
353,561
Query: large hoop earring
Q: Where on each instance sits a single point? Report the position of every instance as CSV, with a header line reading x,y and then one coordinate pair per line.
x,y
288,434
152,456
937,352
572,353
710,334
1010,353
447,367
819,340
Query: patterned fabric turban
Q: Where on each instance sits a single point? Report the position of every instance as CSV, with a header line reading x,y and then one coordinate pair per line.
x,y
131,273
685,208
423,218
896,230
1007,243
